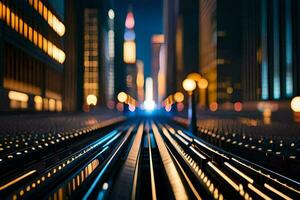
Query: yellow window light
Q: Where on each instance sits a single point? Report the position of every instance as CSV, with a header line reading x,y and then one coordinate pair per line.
x,y
1,10
20,26
58,105
41,8
45,13
129,52
51,104
91,99
35,37
30,33
38,103
12,20
7,16
25,30
18,96
40,39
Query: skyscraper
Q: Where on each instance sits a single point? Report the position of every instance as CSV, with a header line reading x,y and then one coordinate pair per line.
x,y
31,56
129,55
157,42
91,45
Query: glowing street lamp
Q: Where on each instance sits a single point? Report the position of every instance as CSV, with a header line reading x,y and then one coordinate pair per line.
x,y
190,85
295,106
122,97
91,100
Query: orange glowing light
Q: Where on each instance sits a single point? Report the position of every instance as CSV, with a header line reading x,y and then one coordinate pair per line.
x,y
178,97
238,106
213,106
203,83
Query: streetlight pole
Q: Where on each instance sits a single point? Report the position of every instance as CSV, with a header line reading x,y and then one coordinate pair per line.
x,y
190,85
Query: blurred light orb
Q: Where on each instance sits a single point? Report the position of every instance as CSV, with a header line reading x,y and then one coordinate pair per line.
x,y
178,97
168,108
122,97
111,14
149,105
213,106
295,104
194,76
203,83
189,85
238,106
229,90
91,99
131,108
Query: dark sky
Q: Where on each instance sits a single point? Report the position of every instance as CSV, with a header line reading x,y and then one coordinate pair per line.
x,y
148,21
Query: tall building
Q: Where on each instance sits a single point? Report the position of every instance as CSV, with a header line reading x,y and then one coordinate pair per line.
x,y
157,42
90,67
220,47
181,21
129,55
31,56
270,46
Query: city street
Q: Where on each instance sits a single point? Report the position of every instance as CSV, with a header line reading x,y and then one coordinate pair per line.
x,y
149,99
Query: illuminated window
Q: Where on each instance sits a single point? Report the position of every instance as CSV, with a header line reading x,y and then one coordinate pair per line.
x,y
1,11
40,41
20,26
51,104
30,2
45,46
50,18
50,48
91,53
7,16
35,4
38,103
41,8
12,20
16,23
58,105
25,30
30,33
46,104
45,13
35,37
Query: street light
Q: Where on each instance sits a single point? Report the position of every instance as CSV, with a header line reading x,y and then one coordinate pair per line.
x,y
190,85
203,84
122,97
295,106
91,100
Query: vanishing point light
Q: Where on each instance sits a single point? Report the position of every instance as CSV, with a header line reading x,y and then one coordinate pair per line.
x,y
295,104
122,97
189,85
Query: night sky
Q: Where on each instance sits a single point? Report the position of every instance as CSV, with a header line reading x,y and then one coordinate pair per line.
x,y
148,21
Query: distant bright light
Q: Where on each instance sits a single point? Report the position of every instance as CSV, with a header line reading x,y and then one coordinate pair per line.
x,y
194,76
122,97
168,108
91,99
295,104
129,23
111,14
189,85
149,104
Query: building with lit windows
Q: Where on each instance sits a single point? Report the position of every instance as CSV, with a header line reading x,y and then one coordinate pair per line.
x,y
31,56
157,42
129,55
90,41
181,39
